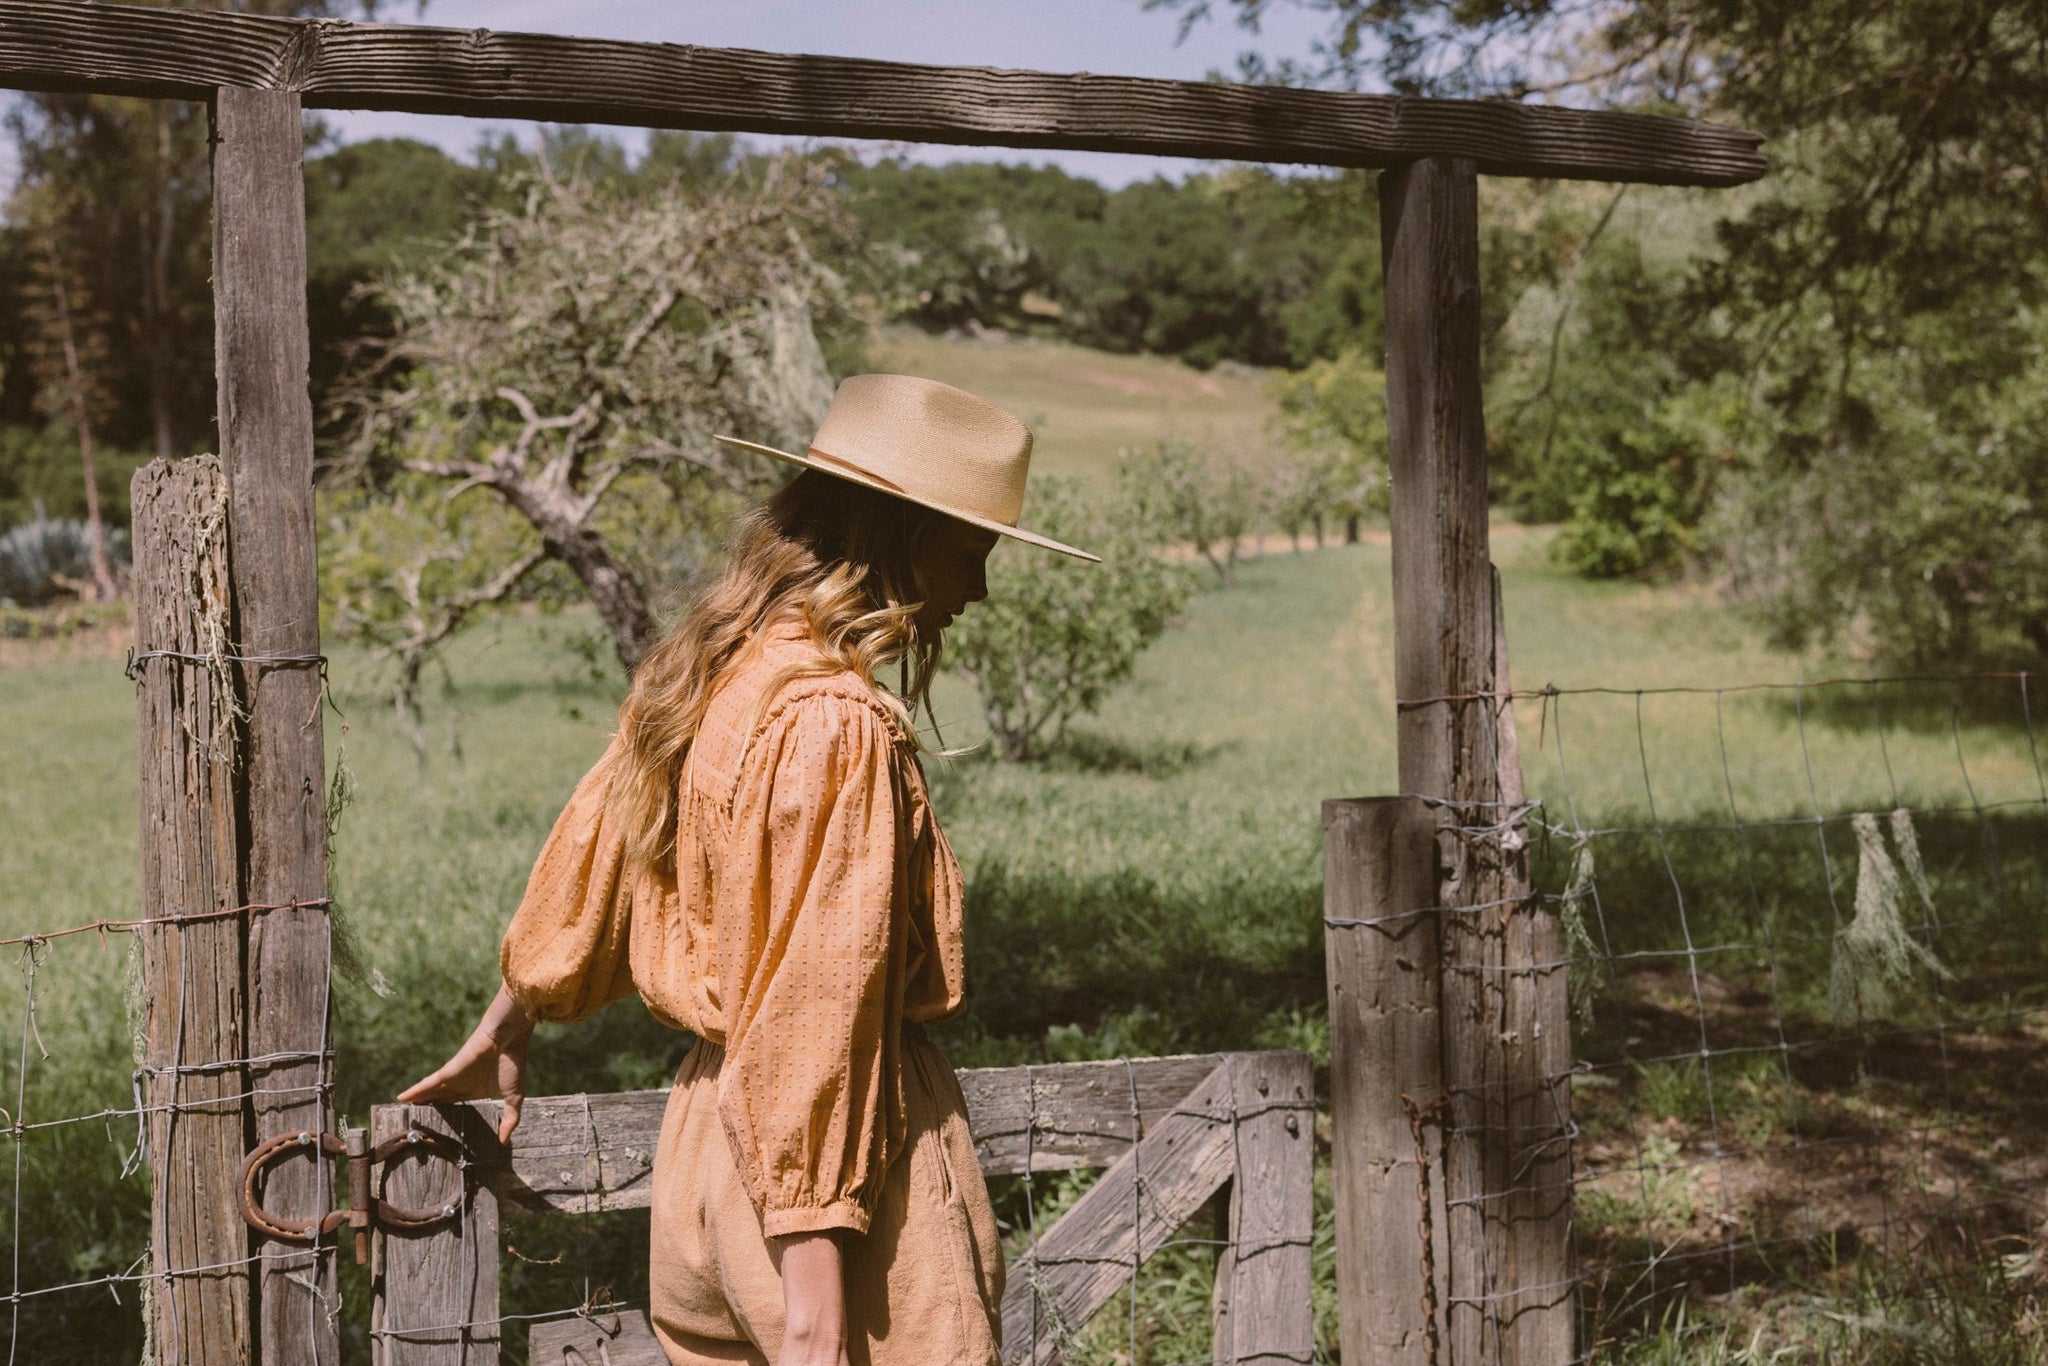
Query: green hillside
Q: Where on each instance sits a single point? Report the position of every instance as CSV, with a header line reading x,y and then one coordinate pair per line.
x,y
1082,405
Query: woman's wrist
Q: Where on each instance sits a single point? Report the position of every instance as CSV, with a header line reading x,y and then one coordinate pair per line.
x,y
506,1021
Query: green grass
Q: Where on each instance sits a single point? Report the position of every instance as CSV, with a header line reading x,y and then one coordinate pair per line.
x,y
1155,885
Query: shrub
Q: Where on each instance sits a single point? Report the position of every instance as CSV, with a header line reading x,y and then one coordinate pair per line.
x,y
1056,634
46,559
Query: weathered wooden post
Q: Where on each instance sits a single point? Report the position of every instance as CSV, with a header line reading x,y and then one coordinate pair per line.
x,y
1386,1077
266,434
192,1080
1506,1037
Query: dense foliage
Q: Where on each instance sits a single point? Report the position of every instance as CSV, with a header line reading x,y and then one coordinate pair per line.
x,y
1835,398
1240,264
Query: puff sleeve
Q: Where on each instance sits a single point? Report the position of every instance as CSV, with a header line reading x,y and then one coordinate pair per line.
x,y
811,964
567,951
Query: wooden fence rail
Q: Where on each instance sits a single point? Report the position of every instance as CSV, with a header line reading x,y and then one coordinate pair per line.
x,y
332,64
1170,1131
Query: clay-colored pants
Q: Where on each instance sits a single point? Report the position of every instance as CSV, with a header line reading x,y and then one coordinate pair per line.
x,y
924,1285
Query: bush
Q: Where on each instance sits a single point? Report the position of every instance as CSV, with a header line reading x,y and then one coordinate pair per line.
x,y
42,560
1205,501
1056,634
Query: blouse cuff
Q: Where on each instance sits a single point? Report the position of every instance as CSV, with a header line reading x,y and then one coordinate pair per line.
x,y
846,1214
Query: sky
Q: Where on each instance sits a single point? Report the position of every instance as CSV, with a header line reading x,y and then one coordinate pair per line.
x,y
1108,37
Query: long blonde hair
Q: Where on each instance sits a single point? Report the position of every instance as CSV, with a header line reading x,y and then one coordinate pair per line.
x,y
833,555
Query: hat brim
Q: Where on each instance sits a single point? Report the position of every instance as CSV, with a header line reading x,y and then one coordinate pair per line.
x,y
854,476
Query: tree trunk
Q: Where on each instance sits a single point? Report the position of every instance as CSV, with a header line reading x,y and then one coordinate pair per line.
x,y
157,346
104,587
618,597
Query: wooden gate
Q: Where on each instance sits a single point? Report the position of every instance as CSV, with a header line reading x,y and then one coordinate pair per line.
x,y
1171,1132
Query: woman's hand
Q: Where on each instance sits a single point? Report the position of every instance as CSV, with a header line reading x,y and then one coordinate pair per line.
x,y
813,1300
491,1063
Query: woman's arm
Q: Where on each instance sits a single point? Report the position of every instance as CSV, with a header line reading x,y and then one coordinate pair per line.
x,y
813,1299
492,1062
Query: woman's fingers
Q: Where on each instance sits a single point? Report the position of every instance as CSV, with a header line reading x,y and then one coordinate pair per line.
x,y
426,1089
509,1119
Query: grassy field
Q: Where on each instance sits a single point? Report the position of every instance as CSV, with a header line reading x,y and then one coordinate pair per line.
x,y
1156,886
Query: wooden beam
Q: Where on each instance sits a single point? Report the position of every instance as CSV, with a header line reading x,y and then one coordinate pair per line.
x,y
192,1085
266,433
624,1338
1506,1134
434,1291
1381,949
1126,1216
66,45
1263,1310
583,1153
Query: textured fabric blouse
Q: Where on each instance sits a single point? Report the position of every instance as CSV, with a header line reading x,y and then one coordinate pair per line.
x,y
814,909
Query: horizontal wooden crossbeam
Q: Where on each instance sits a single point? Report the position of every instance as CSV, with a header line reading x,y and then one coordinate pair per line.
x,y
583,1153
186,54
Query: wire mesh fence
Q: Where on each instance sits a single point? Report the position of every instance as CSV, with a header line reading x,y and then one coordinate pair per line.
x,y
95,1121
1806,927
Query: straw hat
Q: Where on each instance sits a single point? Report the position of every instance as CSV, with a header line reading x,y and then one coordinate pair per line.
x,y
927,443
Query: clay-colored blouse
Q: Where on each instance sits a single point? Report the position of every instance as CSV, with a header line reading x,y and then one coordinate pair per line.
x,y
815,908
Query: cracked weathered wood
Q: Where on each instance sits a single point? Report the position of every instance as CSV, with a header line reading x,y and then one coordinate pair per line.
x,y
434,1291
1506,1150
266,433
1126,1216
1263,1309
1380,948
192,971
585,1153
333,64
1199,1120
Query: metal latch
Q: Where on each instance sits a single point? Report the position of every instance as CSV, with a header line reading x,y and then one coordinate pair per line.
x,y
363,1208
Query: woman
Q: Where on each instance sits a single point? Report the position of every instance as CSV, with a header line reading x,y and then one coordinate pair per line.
x,y
756,856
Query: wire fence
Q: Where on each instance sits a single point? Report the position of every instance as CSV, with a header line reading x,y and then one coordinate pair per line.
x,y
1806,931
1806,926
93,1118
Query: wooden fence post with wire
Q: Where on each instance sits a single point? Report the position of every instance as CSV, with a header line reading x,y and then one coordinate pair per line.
x,y
1465,1006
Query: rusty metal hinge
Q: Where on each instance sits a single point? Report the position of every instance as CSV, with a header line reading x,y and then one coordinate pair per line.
x,y
363,1209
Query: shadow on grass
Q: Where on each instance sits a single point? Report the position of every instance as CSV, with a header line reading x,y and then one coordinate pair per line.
x,y
1742,1129
1082,751
1045,949
1928,707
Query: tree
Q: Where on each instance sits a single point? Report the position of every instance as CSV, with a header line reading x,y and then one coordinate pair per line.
x,y
1055,634
1203,501
1893,261
374,208
1333,416
966,242
404,567
134,176
570,358
68,347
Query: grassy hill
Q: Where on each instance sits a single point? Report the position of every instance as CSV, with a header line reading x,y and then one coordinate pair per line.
x,y
1082,405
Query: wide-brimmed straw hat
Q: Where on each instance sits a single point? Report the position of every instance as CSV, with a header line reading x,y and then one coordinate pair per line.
x,y
927,443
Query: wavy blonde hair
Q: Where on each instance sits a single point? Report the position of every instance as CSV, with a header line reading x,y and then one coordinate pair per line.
x,y
831,554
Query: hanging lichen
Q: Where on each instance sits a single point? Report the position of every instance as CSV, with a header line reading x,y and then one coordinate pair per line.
x,y
1589,966
1909,854
1876,957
